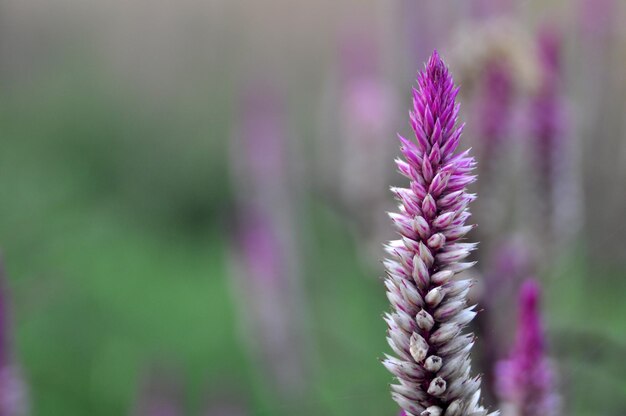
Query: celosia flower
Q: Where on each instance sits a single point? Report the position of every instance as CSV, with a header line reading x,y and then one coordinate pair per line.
x,y
430,307
525,381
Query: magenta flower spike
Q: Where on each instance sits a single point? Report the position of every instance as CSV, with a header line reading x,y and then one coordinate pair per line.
x,y
525,381
432,363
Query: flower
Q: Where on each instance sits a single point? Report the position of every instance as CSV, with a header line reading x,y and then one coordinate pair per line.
x,y
496,103
266,283
548,119
525,381
13,391
430,311
161,394
556,149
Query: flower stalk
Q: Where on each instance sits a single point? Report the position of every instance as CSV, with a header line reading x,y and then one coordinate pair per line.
x,y
430,311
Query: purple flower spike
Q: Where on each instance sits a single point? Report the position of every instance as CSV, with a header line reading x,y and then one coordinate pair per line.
x,y
430,311
525,381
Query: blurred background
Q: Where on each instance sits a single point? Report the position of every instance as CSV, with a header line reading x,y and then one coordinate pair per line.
x,y
194,197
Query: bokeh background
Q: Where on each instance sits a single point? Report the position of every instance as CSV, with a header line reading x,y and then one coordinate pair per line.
x,y
194,196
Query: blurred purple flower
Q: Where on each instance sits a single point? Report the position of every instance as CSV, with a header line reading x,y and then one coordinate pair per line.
x,y
161,395
13,392
548,107
225,409
261,250
491,8
4,328
430,308
358,55
365,116
525,381
511,262
267,284
556,148
422,31
597,17
494,105
261,140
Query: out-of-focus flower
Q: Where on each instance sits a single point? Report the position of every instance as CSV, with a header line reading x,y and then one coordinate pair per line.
x,y
497,67
359,115
271,319
496,64
13,392
430,307
510,263
225,409
267,280
424,28
261,145
495,104
547,122
526,381
491,8
499,40
597,17
160,395
554,144
225,399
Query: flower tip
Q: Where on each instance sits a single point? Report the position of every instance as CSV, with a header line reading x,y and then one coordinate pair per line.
x,y
530,293
435,60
